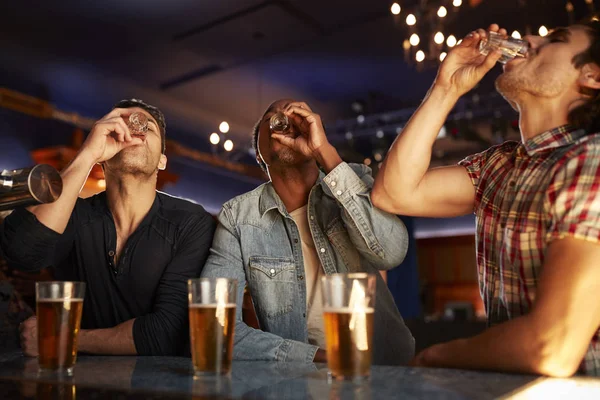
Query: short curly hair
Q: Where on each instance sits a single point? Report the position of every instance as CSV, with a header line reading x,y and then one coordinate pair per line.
x,y
255,135
154,111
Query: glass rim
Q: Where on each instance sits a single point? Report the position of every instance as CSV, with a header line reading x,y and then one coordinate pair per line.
x,y
198,280
44,283
350,275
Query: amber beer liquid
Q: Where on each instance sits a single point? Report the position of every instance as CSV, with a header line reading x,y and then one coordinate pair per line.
x,y
349,337
211,331
58,322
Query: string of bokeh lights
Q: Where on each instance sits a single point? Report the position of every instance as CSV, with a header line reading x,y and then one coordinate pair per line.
x,y
435,49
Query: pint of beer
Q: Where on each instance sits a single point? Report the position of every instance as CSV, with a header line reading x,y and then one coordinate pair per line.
x,y
212,306
348,309
59,308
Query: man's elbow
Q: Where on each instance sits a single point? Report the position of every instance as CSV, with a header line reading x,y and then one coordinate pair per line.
x,y
380,198
556,360
385,201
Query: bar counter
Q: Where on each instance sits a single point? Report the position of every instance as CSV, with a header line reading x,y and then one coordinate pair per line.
x,y
101,377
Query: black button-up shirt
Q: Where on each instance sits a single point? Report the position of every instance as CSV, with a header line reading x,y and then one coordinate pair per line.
x,y
149,282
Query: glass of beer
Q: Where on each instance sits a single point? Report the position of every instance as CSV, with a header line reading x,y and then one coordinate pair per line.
x,y
212,305
509,46
59,307
348,309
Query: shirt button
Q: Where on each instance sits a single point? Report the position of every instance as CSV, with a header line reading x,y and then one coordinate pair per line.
x,y
512,183
111,253
339,192
322,250
272,271
300,277
295,240
304,315
311,217
333,183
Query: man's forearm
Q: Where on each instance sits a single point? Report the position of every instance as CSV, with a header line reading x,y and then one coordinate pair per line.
x,y
112,341
409,157
56,215
514,346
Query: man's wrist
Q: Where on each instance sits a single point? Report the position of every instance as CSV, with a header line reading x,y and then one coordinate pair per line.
x,y
85,159
327,157
445,94
82,340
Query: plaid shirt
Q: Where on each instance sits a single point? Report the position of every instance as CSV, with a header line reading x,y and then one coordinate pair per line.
x,y
527,195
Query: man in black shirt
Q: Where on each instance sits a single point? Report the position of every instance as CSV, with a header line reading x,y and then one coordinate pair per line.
x,y
133,246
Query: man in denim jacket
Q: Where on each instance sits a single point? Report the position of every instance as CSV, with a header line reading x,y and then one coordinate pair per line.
x,y
280,238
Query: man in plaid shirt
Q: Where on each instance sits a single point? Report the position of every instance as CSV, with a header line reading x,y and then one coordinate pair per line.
x,y
537,203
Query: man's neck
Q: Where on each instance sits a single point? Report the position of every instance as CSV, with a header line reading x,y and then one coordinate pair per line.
x,y
293,184
129,200
540,115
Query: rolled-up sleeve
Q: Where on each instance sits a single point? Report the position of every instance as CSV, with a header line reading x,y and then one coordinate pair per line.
x,y
379,236
165,331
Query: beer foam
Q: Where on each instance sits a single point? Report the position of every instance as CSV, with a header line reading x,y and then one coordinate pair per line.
x,y
61,300
214,305
348,310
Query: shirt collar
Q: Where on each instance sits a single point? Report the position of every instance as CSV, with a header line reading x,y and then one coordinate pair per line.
x,y
270,200
558,137
156,204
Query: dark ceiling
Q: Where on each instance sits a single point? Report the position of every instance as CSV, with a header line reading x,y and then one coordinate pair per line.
x,y
204,61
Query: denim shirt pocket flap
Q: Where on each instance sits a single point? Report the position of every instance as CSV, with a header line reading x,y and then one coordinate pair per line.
x,y
273,268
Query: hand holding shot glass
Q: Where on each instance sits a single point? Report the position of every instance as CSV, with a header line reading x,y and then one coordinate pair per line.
x,y
212,306
348,311
59,308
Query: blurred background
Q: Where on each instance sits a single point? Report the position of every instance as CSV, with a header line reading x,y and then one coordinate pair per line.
x,y
213,66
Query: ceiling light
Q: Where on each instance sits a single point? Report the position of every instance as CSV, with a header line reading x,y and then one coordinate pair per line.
x,y
396,9
439,38
516,35
411,20
451,41
420,56
543,31
224,127
228,145
443,55
414,39
215,138
442,12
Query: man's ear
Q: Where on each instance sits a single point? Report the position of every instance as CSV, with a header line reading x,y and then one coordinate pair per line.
x,y
162,164
589,77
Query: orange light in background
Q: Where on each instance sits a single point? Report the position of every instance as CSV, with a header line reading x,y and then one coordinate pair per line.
x,y
102,183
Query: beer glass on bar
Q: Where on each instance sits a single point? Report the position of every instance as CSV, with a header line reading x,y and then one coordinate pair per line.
x,y
348,310
59,308
212,305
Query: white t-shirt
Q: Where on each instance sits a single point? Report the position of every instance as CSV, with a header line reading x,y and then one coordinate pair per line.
x,y
313,271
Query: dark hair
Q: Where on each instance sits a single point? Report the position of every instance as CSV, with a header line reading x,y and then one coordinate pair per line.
x,y
156,114
587,115
255,134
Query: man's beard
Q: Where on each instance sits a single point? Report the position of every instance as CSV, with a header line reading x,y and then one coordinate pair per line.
x,y
133,162
512,85
509,86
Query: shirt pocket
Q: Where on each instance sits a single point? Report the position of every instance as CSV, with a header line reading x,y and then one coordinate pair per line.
x,y
272,284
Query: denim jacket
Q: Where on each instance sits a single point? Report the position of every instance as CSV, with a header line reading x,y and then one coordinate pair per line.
x,y
258,243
